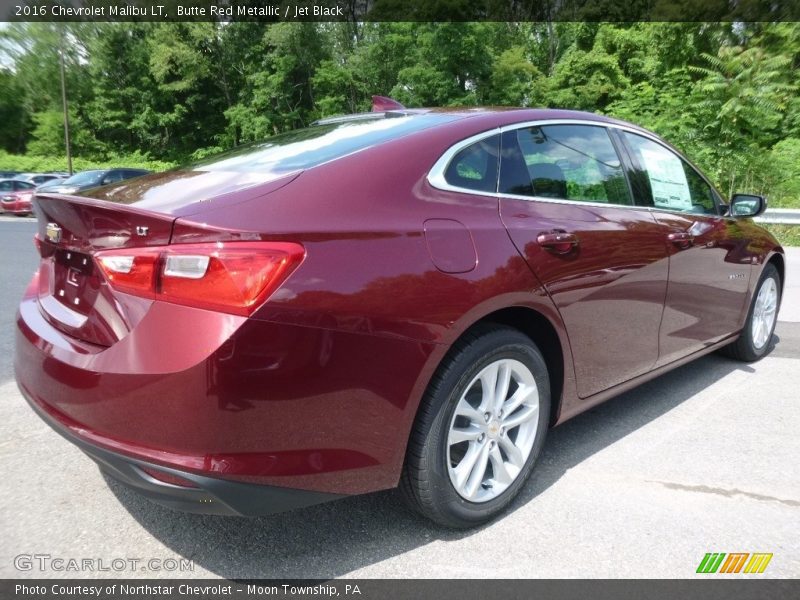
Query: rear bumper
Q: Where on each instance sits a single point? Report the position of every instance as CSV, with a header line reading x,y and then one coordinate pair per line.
x,y
218,397
211,496
18,207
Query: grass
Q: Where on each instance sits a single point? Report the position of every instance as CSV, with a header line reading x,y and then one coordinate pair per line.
x,y
45,164
787,235
793,202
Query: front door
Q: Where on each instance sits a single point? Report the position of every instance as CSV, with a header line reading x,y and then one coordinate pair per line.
x,y
710,265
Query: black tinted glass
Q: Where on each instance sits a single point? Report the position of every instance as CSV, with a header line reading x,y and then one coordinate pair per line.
x,y
475,167
674,185
567,162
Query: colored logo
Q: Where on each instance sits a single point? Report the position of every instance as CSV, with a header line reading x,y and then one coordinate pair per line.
x,y
735,562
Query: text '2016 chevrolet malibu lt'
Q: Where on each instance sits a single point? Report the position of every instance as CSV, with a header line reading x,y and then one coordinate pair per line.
x,y
405,297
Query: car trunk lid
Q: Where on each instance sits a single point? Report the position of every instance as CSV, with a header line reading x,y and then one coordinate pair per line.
x,y
73,292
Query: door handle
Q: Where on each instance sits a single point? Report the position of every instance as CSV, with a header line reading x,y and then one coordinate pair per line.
x,y
559,242
681,239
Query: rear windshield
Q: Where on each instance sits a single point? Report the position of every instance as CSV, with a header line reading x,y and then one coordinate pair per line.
x,y
312,146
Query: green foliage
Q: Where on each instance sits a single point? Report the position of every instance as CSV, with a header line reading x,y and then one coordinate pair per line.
x,y
12,114
587,80
44,164
515,81
48,135
787,235
724,93
782,171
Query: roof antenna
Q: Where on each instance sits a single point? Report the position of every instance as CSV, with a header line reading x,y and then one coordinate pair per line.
x,y
383,104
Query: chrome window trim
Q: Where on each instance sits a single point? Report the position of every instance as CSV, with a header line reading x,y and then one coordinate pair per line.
x,y
572,202
437,180
436,174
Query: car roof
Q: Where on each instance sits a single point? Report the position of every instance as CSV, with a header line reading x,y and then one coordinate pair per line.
x,y
503,115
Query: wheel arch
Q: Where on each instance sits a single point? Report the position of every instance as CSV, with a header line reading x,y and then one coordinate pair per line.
x,y
548,336
542,333
777,258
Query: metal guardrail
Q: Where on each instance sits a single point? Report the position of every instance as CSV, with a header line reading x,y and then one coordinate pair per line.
x,y
780,216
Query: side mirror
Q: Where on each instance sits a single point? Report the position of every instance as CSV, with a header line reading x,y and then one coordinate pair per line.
x,y
747,205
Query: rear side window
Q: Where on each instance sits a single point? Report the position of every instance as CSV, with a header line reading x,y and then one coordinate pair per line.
x,y
674,184
23,185
475,167
567,162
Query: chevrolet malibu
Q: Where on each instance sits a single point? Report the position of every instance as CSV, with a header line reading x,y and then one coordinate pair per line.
x,y
404,297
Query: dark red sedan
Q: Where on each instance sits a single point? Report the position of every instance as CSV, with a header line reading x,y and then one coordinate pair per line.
x,y
407,297
15,197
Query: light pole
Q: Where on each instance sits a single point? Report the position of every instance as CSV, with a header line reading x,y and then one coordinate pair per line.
x,y
64,102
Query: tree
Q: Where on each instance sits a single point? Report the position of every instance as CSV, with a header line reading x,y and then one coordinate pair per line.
x,y
587,80
515,81
13,119
747,89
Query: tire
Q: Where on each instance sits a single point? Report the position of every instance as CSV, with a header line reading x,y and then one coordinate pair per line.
x,y
432,482
753,344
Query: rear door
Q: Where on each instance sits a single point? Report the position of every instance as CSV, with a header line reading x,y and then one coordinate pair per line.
x,y
570,212
710,264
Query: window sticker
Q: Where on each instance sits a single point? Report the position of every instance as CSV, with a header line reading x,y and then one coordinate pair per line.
x,y
667,180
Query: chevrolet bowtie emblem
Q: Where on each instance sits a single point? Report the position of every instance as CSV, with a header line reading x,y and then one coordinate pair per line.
x,y
53,233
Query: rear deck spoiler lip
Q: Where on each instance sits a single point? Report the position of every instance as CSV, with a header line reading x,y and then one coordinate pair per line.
x,y
95,202
194,207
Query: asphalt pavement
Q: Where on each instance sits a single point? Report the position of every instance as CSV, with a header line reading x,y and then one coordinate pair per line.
x,y
703,459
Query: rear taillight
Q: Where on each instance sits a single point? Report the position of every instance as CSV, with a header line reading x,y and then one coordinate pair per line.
x,y
234,277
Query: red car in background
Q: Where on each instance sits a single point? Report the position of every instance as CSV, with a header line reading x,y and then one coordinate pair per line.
x,y
407,297
15,196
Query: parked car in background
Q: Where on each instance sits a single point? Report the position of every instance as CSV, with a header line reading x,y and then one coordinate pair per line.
x,y
15,196
51,184
408,297
36,178
8,174
91,179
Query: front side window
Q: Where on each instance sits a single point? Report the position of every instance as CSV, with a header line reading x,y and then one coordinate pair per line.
x,y
475,167
6,186
567,162
674,184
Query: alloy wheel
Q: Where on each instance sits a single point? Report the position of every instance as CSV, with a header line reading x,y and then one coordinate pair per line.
x,y
493,430
764,313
